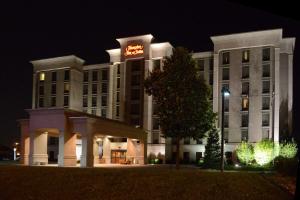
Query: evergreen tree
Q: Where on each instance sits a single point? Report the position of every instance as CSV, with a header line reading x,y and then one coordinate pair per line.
x,y
212,155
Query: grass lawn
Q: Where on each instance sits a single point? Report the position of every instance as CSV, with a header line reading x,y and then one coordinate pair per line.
x,y
17,182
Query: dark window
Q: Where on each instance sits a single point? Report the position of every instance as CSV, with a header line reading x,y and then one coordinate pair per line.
x,y
93,111
199,156
104,87
211,64
245,71
118,69
135,79
246,56
135,121
53,89
85,89
94,101
135,109
155,109
211,77
225,58
245,87
135,65
244,135
66,88
266,87
53,101
67,75
245,103
200,64
135,94
225,74
156,64
85,102
155,125
155,139
66,100
104,75
103,112
266,54
118,97
265,119
41,102
265,103
53,140
244,120
53,76
41,90
94,88
266,70
117,111
86,76
226,121
186,157
226,86
226,105
226,135
118,83
103,100
186,140
265,133
94,75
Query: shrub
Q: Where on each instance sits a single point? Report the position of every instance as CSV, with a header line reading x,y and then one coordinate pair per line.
x,y
288,149
264,152
245,153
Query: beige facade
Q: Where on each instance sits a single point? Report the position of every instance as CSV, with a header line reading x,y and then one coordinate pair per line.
x,y
257,67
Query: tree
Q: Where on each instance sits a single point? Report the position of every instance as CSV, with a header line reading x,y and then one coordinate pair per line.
x,y
182,98
212,155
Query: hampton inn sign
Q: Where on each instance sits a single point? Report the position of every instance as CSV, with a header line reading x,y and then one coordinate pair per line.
x,y
132,50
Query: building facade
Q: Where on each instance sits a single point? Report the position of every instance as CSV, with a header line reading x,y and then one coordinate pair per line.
x,y
257,68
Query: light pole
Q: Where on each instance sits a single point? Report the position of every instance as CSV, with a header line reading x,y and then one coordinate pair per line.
x,y
225,93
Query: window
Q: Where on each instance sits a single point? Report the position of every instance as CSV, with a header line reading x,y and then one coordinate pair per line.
x,y
266,54
94,101
225,58
53,101
85,102
245,71
135,65
53,89
265,119
104,87
103,100
226,86
53,140
245,88
155,109
94,88
211,64
67,75
225,73
135,79
186,140
135,94
244,120
104,75
266,87
155,137
155,125
226,105
66,88
117,111
245,103
244,135
42,76
246,56
94,75
103,112
53,76
211,77
118,97
199,156
200,64
118,69
265,133
226,135
41,90
226,121
41,102
66,100
85,76
265,103
135,109
85,89
266,70
156,64
186,157
118,82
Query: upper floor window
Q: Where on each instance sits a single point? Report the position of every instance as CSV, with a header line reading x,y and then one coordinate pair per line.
x,y
85,76
246,56
265,119
266,87
103,100
225,73
53,101
265,103
41,90
135,94
118,69
94,75
66,101
245,71
266,70
85,102
244,120
135,79
85,89
94,88
200,64
42,76
104,87
41,102
118,82
245,103
66,87
104,75
211,78
226,121
226,58
155,125
226,104
266,54
156,64
244,135
53,89
245,87
118,97
67,75
53,76
211,64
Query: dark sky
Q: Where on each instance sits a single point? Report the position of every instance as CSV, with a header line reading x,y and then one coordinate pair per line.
x,y
31,31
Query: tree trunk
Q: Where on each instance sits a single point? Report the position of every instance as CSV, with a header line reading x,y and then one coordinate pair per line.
x,y
177,152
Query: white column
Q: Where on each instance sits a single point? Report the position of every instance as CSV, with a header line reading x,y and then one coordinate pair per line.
x,y
96,151
61,144
110,92
290,93
277,94
38,148
106,150
87,157
67,149
216,84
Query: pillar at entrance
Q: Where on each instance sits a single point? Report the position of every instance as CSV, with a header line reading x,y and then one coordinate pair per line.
x,y
136,151
67,149
38,148
96,151
106,150
87,155
24,143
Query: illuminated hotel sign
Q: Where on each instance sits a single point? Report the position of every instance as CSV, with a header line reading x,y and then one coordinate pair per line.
x,y
132,50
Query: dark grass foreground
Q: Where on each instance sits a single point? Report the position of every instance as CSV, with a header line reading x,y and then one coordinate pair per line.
x,y
18,182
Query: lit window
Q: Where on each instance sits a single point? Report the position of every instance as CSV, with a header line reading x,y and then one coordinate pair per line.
x,y
42,76
246,55
226,58
245,103
66,87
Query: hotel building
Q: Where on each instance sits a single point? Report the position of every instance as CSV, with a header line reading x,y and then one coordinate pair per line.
x,y
100,113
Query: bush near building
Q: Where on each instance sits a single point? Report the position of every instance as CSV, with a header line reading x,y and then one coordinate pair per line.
x,y
245,153
288,149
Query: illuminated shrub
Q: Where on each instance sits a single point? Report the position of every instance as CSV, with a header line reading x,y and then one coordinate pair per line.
x,y
288,150
245,153
264,152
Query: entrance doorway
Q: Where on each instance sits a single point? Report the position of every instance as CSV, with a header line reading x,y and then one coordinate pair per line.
x,y
118,156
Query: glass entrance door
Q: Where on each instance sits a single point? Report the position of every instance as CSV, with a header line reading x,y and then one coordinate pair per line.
x,y
118,156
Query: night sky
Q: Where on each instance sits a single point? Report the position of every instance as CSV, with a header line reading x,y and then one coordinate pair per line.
x,y
41,30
